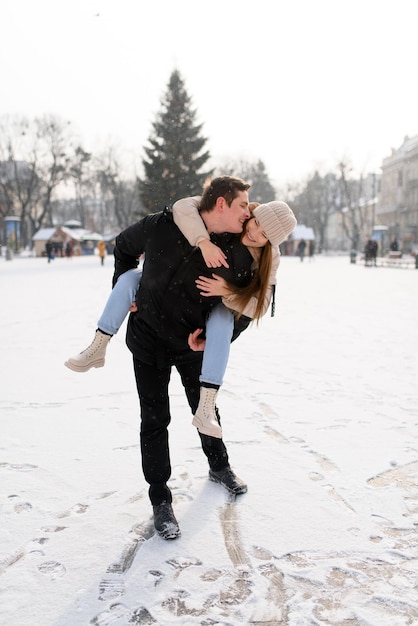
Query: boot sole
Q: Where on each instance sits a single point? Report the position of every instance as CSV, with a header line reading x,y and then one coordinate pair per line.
x,y
206,431
83,368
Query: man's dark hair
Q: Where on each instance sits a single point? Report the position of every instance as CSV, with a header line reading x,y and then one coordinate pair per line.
x,y
222,186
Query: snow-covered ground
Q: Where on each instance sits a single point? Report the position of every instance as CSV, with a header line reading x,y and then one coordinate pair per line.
x,y
320,414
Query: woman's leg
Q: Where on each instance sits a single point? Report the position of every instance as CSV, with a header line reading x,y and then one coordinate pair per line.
x,y
115,311
119,301
219,329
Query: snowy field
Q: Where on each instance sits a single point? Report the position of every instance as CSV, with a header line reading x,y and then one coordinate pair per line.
x,y
320,414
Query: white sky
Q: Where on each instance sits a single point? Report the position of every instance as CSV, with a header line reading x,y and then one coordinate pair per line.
x,y
319,414
299,84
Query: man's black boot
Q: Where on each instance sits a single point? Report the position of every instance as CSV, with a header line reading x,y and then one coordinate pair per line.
x,y
227,478
165,522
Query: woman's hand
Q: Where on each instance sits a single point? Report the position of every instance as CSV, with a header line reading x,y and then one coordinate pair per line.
x,y
215,286
196,344
212,254
133,308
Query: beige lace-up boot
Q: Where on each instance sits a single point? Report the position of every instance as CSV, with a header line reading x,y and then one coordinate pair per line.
x,y
205,418
93,356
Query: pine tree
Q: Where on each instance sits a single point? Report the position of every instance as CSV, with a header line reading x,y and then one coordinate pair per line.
x,y
174,157
261,188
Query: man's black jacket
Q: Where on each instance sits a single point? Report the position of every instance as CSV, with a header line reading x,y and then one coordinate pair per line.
x,y
169,304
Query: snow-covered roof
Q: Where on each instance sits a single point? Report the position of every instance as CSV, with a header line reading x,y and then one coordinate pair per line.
x,y
79,234
43,234
303,232
85,235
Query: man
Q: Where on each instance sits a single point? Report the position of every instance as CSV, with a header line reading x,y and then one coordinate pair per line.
x,y
169,309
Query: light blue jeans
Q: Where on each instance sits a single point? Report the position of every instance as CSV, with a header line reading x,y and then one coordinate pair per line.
x,y
219,329
219,326
119,301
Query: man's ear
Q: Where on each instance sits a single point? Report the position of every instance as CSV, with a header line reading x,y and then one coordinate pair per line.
x,y
220,204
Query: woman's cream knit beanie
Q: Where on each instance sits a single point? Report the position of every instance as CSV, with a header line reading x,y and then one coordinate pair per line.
x,y
276,219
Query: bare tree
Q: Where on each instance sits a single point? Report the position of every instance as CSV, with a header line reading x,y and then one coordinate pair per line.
x,y
314,204
36,157
352,211
81,175
120,198
54,144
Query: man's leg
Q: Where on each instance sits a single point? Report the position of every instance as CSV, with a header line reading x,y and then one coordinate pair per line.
x,y
152,385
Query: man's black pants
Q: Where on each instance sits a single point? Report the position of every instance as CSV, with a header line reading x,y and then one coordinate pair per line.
x,y
152,384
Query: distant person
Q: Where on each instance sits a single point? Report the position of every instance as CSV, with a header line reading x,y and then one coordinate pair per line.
x,y
370,252
301,249
49,249
311,249
69,249
394,246
101,246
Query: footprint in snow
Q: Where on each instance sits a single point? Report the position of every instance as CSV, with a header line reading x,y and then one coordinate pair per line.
x,y
76,509
52,569
18,467
53,529
119,613
112,584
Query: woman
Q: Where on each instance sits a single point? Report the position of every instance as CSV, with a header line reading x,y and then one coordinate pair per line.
x,y
269,225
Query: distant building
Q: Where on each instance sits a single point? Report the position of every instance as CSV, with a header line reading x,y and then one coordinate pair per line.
x,y
398,203
83,241
301,231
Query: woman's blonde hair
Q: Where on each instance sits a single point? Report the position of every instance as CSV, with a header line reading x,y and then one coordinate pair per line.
x,y
259,283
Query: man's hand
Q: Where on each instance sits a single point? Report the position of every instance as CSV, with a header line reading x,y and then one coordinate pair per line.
x,y
215,286
133,308
212,254
196,344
